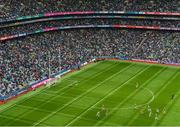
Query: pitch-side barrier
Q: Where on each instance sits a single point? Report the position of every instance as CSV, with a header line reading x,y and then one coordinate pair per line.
x,y
40,83
33,86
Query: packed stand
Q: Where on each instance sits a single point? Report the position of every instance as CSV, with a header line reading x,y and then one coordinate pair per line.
x,y
25,60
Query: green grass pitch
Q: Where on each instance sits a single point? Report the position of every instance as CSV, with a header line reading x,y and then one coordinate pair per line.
x,y
127,90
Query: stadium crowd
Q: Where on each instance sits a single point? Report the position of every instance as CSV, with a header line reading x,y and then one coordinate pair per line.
x,y
32,58
13,8
28,59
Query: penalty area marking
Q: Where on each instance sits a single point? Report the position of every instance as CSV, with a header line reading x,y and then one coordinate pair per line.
x,y
140,105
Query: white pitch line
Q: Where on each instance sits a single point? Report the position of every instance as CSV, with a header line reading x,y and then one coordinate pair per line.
x,y
156,94
131,107
63,92
38,93
161,115
12,118
42,91
140,105
71,84
110,93
52,93
97,85
28,107
149,80
167,107
21,101
29,97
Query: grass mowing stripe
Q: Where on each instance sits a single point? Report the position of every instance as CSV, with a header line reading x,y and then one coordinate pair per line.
x,y
50,89
153,86
37,109
90,77
63,97
118,81
81,95
99,101
121,117
168,108
89,70
173,115
100,91
134,92
55,95
137,117
59,94
12,119
94,75
170,104
33,108
67,87
112,66
117,78
166,93
131,95
85,68
166,86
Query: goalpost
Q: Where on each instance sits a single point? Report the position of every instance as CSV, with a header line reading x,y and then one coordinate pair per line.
x,y
53,81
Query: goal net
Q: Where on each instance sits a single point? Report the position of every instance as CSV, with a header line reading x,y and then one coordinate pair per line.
x,y
52,82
